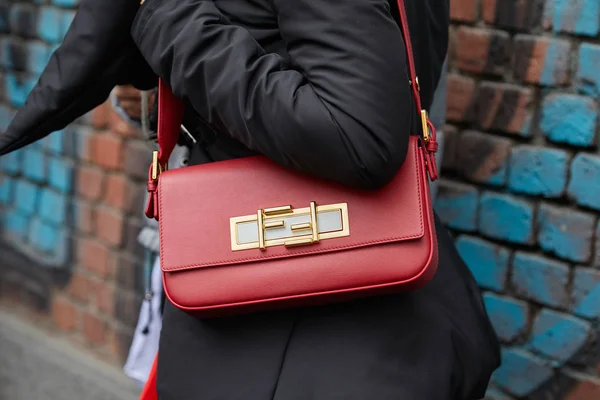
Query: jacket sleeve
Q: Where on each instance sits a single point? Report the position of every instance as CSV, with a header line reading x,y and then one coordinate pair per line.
x,y
341,107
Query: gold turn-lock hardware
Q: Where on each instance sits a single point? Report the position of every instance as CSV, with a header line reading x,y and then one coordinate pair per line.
x,y
289,227
157,168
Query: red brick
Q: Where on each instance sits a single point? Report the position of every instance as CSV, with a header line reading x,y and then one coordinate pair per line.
x,y
482,50
112,265
64,314
117,191
463,10
127,306
94,285
105,299
94,329
119,341
79,288
90,182
139,157
461,92
502,107
534,63
109,226
136,195
100,116
452,34
86,215
481,155
451,139
488,9
513,14
94,256
107,150
584,390
121,127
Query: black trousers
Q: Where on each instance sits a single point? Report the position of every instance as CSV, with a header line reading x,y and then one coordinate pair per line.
x,y
432,344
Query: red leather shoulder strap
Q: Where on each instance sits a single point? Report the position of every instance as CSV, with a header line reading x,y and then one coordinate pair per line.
x,y
170,108
170,116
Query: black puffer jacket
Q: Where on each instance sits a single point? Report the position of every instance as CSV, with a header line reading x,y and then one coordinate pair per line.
x,y
320,86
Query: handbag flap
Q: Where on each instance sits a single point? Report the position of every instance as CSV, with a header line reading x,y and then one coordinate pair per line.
x,y
211,214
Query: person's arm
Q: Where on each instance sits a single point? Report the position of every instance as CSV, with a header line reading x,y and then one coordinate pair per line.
x,y
341,109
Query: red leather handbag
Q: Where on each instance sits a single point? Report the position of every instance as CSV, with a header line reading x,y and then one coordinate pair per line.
x,y
249,235
308,242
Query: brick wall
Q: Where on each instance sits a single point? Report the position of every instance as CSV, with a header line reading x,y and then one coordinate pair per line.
x,y
522,185
71,204
521,191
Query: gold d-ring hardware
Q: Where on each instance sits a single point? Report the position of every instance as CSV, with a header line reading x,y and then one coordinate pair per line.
x,y
290,227
157,168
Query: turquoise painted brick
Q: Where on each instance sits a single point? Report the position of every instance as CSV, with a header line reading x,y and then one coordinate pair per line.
x,y
577,16
540,279
586,293
565,232
77,142
488,262
596,262
65,3
61,175
509,316
16,225
26,195
43,236
34,165
23,19
558,336
483,157
584,183
495,394
30,56
521,372
11,163
50,24
570,119
6,115
55,142
538,171
17,89
555,68
67,17
506,217
6,53
5,8
7,188
53,48
53,207
456,205
38,56
588,79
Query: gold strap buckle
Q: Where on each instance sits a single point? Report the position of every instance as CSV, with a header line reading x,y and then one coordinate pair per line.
x,y
157,168
425,126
